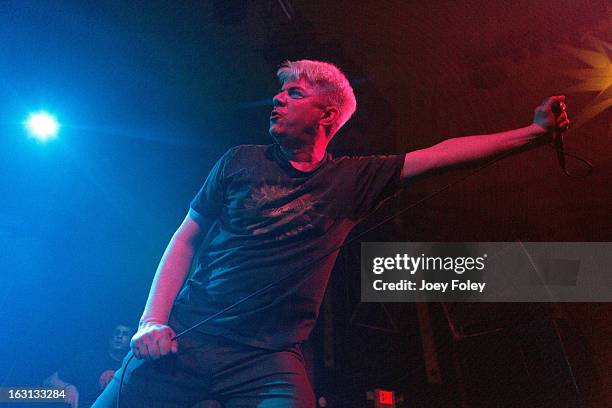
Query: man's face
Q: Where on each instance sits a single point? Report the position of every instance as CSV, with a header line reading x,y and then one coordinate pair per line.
x,y
120,339
296,115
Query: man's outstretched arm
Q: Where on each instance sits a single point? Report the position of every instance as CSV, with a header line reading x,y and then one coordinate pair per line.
x,y
153,337
472,149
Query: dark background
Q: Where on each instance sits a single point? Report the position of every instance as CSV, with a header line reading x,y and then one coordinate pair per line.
x,y
151,93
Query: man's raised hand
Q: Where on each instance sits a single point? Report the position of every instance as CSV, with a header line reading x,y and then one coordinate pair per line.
x,y
551,115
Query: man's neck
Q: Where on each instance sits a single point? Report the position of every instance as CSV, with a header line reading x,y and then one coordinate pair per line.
x,y
305,158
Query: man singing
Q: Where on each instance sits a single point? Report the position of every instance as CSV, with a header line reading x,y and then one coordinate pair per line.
x,y
265,212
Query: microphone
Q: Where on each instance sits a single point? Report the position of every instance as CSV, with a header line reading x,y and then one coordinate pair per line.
x,y
557,109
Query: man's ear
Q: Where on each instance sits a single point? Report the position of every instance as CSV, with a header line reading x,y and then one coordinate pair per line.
x,y
330,116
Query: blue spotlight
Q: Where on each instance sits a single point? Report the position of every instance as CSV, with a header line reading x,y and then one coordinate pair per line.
x,y
42,126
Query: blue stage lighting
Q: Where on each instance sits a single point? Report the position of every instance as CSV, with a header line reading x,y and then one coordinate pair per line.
x,y
42,126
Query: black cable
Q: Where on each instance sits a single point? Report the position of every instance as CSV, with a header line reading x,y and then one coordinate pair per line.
x,y
359,235
127,363
588,164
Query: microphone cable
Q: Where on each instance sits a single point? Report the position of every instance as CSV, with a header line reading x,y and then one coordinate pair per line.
x,y
558,108
561,152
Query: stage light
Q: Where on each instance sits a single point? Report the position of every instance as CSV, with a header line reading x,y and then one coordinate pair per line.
x,y
42,126
596,78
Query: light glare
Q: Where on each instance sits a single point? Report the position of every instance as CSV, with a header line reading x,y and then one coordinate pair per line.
x,y
42,126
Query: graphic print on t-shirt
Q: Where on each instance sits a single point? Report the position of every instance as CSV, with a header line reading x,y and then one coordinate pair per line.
x,y
282,210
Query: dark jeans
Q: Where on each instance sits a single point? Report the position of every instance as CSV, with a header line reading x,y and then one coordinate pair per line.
x,y
213,368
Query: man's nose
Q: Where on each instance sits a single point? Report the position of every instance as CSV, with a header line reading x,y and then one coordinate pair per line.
x,y
278,99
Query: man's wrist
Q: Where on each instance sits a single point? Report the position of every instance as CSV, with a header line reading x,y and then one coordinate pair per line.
x,y
149,322
537,131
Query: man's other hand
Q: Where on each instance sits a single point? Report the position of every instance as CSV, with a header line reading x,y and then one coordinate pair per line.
x,y
153,340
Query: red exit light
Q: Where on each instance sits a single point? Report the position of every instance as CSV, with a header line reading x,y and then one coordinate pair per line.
x,y
384,399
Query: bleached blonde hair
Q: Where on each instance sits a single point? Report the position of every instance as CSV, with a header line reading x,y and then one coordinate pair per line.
x,y
328,80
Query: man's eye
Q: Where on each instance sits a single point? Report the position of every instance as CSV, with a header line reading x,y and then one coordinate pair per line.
x,y
295,94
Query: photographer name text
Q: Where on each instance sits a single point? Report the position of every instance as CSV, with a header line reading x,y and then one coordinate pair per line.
x,y
428,286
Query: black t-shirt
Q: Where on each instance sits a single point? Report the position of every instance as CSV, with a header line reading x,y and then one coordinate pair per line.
x,y
270,220
84,371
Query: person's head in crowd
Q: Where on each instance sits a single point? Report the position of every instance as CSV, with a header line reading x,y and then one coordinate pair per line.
x,y
119,340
